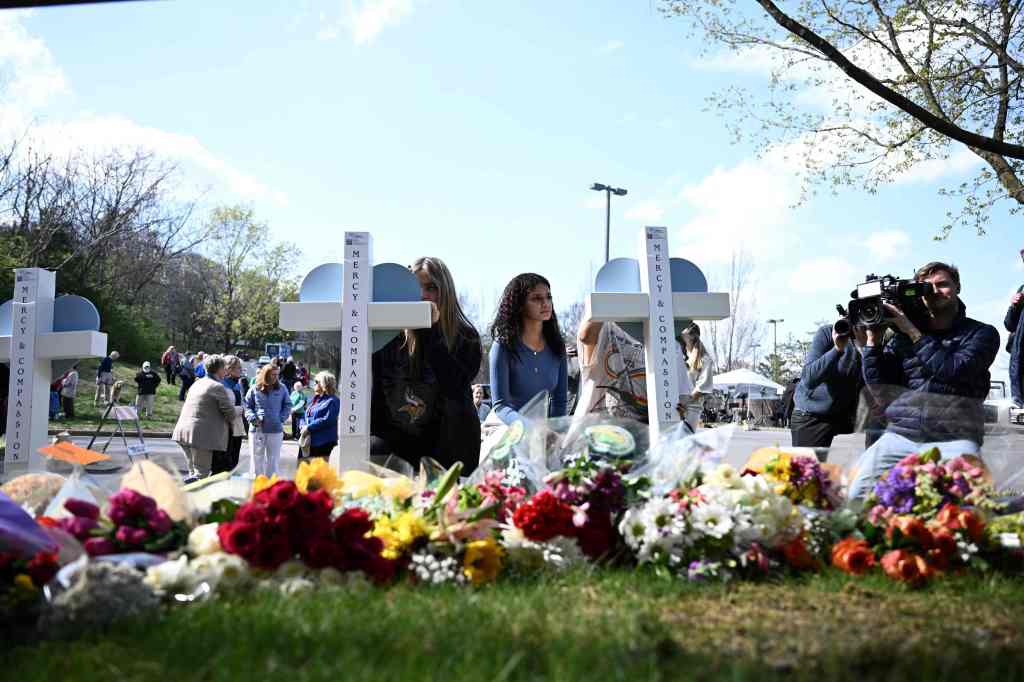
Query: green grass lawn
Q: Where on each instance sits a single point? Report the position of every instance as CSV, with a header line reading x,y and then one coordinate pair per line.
x,y
165,409
602,625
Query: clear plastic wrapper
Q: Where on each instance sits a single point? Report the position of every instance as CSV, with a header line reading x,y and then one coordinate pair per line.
x,y
159,478
679,455
80,485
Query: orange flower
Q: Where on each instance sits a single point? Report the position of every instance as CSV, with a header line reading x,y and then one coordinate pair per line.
x,y
906,567
954,518
798,557
853,556
912,528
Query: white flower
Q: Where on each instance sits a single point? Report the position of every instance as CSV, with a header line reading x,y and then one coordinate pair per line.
x,y
203,540
724,476
168,576
220,570
711,519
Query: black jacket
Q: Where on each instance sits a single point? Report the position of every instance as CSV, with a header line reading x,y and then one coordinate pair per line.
x,y
933,390
430,412
147,382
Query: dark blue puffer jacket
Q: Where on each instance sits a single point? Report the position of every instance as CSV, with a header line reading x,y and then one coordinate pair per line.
x,y
933,390
1014,324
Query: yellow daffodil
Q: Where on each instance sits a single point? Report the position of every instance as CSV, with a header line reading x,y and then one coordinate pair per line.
x,y
482,561
316,475
411,527
262,483
401,533
24,582
361,484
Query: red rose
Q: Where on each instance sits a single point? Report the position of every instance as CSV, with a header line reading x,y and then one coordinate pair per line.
x,y
271,553
798,557
321,553
544,517
252,512
282,496
352,525
42,567
906,567
238,537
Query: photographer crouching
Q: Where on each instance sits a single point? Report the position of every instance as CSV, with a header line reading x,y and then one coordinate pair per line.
x,y
931,377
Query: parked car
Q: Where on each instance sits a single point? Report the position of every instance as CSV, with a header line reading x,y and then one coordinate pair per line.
x,y
999,407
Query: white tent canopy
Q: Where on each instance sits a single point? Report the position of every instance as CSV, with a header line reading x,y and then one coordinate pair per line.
x,y
749,382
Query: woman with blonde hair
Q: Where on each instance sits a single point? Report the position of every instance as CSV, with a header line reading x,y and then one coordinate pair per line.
x,y
321,419
422,400
268,406
701,368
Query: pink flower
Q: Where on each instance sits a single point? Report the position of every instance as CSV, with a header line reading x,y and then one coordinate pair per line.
x,y
132,536
119,515
579,514
78,526
160,522
98,546
82,508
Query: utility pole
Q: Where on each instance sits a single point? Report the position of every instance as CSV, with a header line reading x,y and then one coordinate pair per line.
x,y
776,369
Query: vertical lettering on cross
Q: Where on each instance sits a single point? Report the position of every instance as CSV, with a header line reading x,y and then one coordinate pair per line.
x,y
659,331
29,390
356,294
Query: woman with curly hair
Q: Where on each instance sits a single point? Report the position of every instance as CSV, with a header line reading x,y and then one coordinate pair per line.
x,y
528,355
422,405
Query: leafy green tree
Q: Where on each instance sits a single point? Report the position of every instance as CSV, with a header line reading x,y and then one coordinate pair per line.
x,y
895,84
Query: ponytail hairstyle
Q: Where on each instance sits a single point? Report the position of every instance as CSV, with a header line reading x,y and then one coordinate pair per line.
x,y
695,357
507,327
453,321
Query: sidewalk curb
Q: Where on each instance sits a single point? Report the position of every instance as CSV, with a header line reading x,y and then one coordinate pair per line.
x,y
90,432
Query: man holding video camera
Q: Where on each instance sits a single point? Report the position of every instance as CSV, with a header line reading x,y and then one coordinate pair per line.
x,y
825,401
932,376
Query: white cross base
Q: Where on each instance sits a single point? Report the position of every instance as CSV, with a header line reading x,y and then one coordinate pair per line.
x,y
657,307
29,350
355,317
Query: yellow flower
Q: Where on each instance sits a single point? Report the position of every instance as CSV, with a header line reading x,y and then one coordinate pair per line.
x,y
411,527
316,475
24,582
262,483
401,533
361,484
385,530
482,561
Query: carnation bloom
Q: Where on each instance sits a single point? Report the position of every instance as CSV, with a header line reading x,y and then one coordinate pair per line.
x,y
906,567
853,555
953,517
544,517
482,561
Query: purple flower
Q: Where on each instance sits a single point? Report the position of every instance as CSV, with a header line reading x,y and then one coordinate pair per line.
x,y
78,526
119,515
896,490
82,508
131,536
133,502
98,546
608,491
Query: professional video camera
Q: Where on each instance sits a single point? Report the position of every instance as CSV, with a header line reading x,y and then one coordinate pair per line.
x,y
866,309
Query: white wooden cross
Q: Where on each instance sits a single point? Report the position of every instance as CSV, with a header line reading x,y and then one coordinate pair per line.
x,y
656,306
355,316
29,349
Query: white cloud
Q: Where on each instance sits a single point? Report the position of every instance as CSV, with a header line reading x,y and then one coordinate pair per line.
x,y
370,17
746,207
887,244
612,46
32,80
649,212
814,275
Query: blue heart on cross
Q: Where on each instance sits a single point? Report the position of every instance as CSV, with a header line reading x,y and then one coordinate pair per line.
x,y
622,275
392,283
71,313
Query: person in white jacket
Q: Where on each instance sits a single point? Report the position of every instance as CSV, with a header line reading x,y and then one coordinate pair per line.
x,y
701,368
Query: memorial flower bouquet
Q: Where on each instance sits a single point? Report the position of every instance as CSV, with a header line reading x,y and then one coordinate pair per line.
x,y
921,484
132,523
728,525
281,523
802,480
22,580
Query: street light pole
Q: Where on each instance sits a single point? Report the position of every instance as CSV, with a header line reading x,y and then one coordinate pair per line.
x,y
775,349
608,191
755,347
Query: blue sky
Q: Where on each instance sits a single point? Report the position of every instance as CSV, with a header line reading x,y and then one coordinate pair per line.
x,y
471,131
